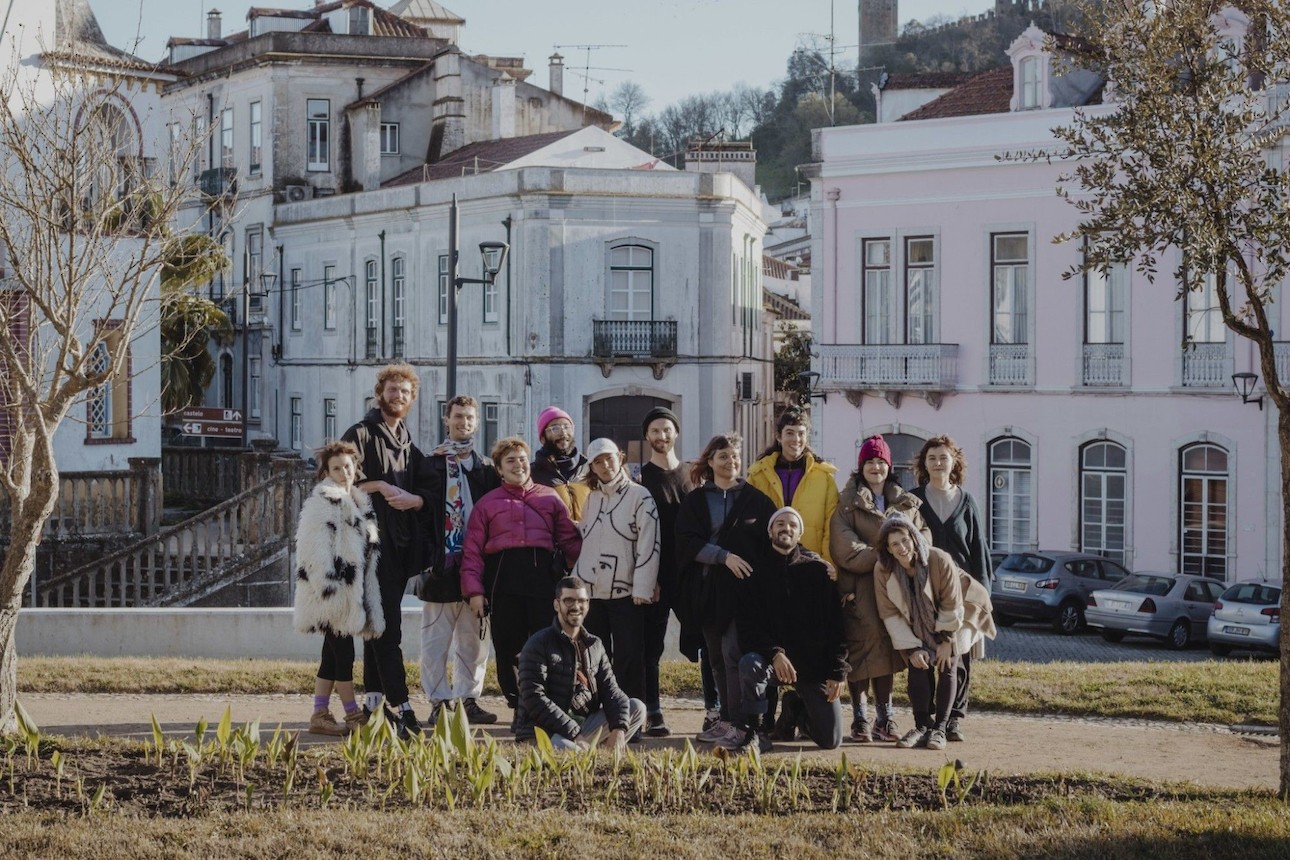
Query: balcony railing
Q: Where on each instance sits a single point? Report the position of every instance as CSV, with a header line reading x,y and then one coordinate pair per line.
x,y
396,341
1104,364
916,366
373,342
1010,364
1206,365
633,338
219,181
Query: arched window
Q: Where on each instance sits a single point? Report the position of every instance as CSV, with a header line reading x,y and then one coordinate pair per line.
x,y
1103,499
1202,515
1011,495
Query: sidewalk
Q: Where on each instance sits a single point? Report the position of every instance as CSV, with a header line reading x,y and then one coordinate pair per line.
x,y
1208,755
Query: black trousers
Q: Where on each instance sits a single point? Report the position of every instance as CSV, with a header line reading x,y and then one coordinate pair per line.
x,y
931,694
964,683
620,625
514,619
656,616
337,661
383,670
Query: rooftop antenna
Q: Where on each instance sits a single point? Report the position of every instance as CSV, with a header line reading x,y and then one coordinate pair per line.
x,y
587,68
834,50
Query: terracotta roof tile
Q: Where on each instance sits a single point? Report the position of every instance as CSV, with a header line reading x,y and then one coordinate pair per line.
x,y
988,92
926,80
480,157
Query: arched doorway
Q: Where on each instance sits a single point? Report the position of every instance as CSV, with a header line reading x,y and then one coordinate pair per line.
x,y
619,418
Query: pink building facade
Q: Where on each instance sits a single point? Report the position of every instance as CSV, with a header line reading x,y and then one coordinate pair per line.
x,y
939,307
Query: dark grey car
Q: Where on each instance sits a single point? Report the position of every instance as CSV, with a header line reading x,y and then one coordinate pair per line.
x,y
1050,585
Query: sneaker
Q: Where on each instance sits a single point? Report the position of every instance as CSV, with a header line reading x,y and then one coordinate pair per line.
x,y
710,718
357,719
785,727
477,715
885,731
638,737
935,739
861,730
405,722
954,731
715,732
656,727
915,737
323,723
735,738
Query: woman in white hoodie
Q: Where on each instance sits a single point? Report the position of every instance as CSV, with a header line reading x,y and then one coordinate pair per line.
x,y
619,562
934,613
337,595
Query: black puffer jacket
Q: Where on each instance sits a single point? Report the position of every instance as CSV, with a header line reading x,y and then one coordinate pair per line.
x,y
548,665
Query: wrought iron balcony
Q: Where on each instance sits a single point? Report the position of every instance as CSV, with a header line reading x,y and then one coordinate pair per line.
x,y
634,341
1207,365
219,182
1104,364
1010,364
923,366
373,342
396,341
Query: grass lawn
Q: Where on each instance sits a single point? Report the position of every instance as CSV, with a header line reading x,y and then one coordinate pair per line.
x,y
1216,691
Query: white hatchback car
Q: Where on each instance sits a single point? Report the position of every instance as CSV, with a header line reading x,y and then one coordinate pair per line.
x,y
1246,617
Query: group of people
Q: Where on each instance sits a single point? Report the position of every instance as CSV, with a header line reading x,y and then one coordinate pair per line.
x,y
786,591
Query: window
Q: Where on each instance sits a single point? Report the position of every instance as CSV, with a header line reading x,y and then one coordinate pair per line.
x,y
226,380
1011,495
920,290
1104,304
1204,317
295,300
176,145
373,305
254,373
297,422
490,301
399,289
359,21
219,287
318,112
256,137
1009,263
226,139
199,147
1029,82
389,138
631,283
1103,499
329,298
329,419
254,267
880,322
444,276
1202,518
99,399
492,422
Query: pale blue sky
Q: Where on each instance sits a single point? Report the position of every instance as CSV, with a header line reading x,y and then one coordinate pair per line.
x,y
673,47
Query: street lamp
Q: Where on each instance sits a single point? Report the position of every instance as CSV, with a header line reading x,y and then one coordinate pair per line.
x,y
810,379
493,257
1245,383
267,280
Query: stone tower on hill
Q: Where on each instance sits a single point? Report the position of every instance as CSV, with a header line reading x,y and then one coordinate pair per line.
x,y
878,25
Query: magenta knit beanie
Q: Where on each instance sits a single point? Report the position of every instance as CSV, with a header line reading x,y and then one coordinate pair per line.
x,y
547,415
874,446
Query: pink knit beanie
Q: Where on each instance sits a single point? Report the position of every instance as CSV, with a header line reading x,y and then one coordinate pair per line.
x,y
547,415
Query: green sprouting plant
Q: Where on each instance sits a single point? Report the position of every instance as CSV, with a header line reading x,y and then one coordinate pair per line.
x,y
952,774
96,800
325,788
57,761
843,787
273,752
223,733
249,791
158,738
29,732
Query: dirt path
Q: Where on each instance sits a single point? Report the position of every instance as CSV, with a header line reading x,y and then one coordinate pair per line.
x,y
1000,743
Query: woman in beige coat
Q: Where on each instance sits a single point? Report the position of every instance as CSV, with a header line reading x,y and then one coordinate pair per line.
x,y
871,493
934,612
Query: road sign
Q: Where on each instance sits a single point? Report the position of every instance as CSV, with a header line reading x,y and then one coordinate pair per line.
x,y
211,421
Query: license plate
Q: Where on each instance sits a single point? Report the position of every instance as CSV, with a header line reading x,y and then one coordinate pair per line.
x,y
1237,631
1118,604
1014,585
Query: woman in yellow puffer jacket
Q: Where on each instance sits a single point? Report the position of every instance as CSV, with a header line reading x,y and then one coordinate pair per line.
x,y
790,474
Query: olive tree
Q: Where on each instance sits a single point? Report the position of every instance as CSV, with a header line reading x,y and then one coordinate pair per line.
x,y
1183,164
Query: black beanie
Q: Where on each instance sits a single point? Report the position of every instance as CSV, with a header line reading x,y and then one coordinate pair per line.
x,y
660,412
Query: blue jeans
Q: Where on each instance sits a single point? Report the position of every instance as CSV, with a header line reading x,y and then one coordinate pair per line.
x,y
598,720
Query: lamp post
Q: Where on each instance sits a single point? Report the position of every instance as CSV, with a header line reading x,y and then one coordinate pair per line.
x,y
267,280
493,255
1245,383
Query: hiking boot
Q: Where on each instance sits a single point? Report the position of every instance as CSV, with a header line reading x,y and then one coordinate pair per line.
x,y
477,715
710,718
714,732
323,723
935,739
915,737
356,719
885,731
861,731
954,731
656,727
405,723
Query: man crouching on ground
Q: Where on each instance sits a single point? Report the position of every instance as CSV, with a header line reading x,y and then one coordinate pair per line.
x,y
567,685
790,631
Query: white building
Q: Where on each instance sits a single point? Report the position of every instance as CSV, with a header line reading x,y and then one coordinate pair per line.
x,y
939,307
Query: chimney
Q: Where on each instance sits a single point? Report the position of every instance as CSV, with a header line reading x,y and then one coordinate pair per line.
x,y
504,107
557,75
213,25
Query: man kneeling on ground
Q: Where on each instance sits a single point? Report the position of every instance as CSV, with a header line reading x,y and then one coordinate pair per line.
x,y
790,631
567,685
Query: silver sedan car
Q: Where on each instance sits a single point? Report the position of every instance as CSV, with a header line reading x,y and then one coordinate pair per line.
x,y
1247,617
1170,606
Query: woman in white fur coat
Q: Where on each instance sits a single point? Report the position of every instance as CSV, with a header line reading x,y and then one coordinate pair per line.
x,y
337,595
935,613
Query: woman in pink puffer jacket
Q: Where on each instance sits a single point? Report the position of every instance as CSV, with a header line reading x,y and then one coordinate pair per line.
x,y
509,564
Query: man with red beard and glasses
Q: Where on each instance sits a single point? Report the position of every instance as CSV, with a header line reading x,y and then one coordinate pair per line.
x,y
387,462
557,464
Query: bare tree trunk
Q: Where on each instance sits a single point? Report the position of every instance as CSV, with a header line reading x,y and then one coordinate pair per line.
x,y
8,668
1283,712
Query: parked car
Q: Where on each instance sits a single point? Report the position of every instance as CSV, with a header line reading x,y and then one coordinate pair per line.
x,y
1174,607
1050,586
1247,617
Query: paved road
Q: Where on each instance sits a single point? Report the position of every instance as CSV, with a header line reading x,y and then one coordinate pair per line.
x,y
1037,643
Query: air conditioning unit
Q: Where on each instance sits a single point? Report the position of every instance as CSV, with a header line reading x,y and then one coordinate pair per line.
x,y
296,193
746,385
